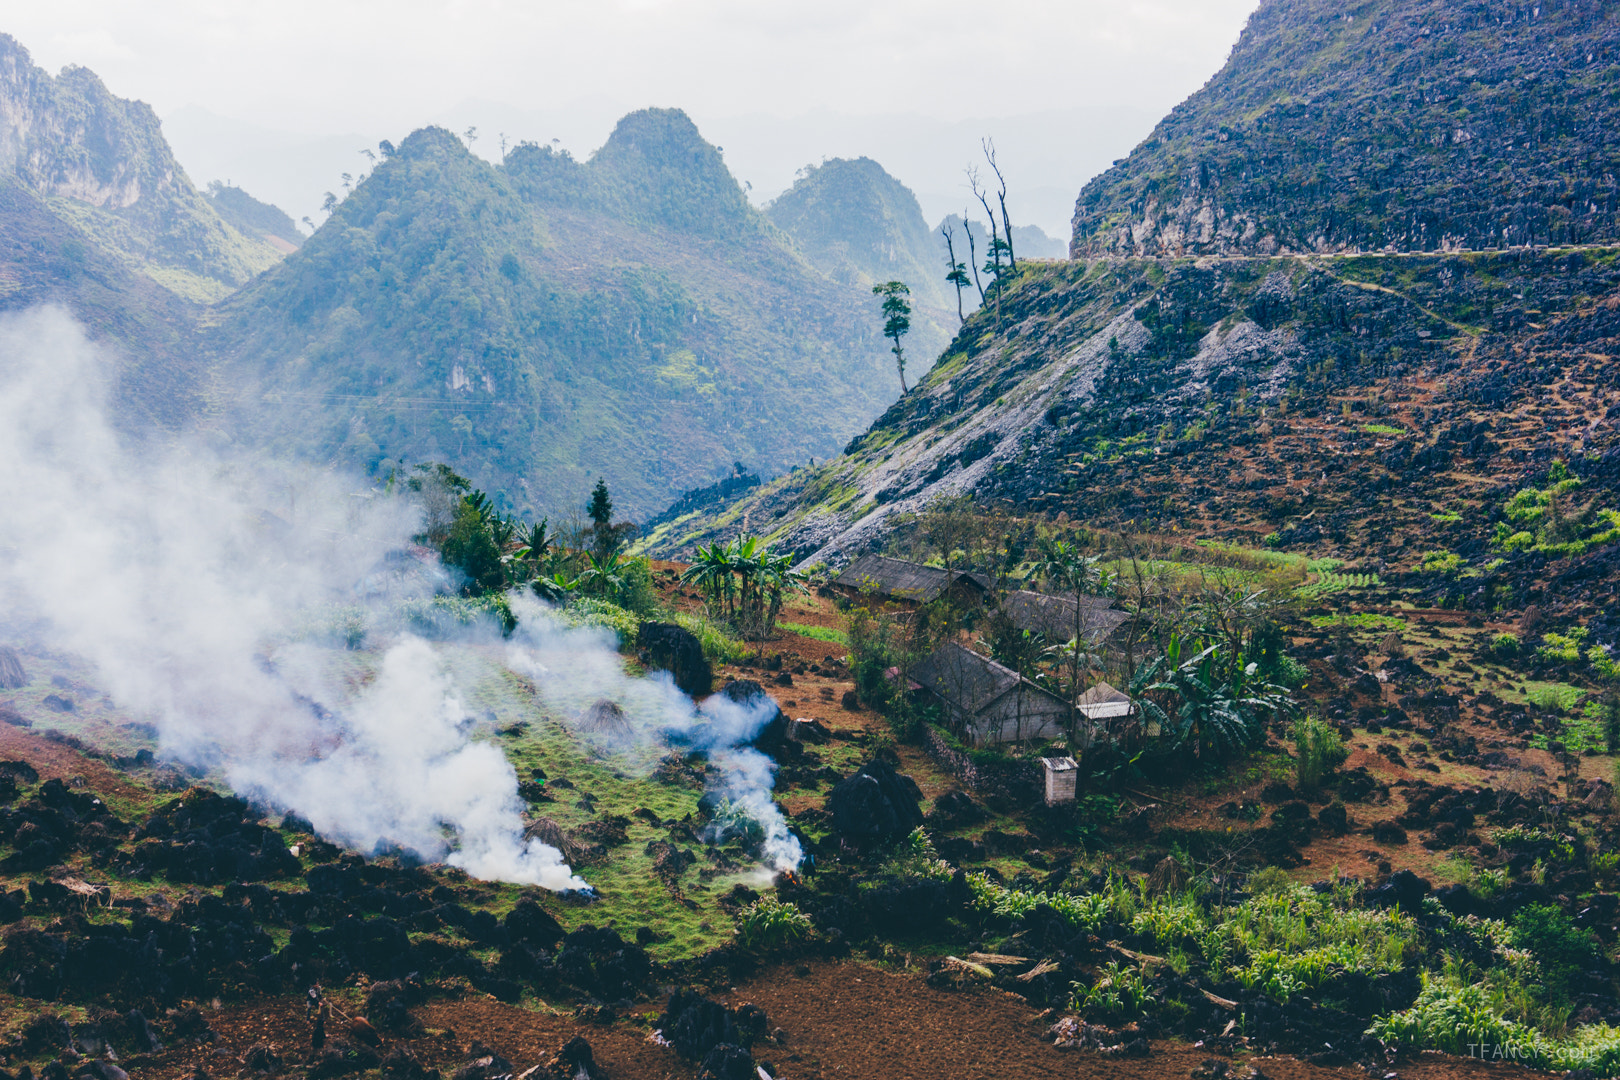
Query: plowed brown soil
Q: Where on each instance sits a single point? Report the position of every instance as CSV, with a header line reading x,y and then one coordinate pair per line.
x,y
835,1020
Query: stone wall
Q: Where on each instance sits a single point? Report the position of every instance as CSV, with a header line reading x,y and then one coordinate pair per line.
x,y
1020,781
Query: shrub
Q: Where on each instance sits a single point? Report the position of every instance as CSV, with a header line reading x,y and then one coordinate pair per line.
x,y
1565,647
718,646
1456,1020
587,611
770,925
915,859
1270,879
1505,645
635,592
1562,949
1291,673
1440,562
444,615
1318,751
1117,996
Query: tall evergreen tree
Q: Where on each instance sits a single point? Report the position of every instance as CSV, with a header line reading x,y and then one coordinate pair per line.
x,y
896,320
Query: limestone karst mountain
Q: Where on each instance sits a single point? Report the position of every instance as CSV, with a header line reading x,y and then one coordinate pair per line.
x,y
547,320
1388,407
1407,125
100,164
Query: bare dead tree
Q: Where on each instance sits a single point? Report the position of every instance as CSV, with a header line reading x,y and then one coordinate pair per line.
x,y
997,244
958,273
973,255
989,147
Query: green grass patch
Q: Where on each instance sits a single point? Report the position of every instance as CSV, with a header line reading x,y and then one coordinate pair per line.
x,y
819,633
718,645
1361,620
1332,582
1382,429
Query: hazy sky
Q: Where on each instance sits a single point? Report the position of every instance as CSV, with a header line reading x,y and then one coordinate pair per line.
x,y
383,67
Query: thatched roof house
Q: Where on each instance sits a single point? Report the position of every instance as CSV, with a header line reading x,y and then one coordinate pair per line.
x,y
896,579
1054,615
987,701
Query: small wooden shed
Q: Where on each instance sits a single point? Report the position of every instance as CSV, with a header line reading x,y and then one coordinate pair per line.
x,y
988,702
1061,775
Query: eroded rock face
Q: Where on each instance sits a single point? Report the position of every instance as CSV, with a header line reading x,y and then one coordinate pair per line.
x,y
1223,174
69,138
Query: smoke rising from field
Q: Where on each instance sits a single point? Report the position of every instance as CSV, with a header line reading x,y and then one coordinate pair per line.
x,y
573,669
184,576
190,580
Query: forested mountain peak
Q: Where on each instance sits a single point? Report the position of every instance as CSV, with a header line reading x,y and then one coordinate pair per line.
x,y
860,225
1380,124
546,322
663,171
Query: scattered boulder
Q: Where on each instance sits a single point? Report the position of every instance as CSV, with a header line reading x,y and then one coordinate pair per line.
x,y
1334,818
676,650
484,1064
694,1025
528,921
574,1061
728,1062
388,1006
1387,832
955,809
874,803
1403,889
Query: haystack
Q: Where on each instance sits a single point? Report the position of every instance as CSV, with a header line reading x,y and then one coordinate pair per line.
x,y
605,719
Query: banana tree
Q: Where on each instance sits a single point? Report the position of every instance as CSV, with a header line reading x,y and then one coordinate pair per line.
x,y
602,576
778,579
711,571
1216,717
555,588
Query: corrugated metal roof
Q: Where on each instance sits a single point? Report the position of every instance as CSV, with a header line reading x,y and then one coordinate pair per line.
x,y
1102,702
902,580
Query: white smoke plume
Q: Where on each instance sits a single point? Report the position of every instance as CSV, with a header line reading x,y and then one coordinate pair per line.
x,y
572,669
182,575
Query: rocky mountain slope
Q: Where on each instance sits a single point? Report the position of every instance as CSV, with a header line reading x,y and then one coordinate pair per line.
x,y
101,165
1414,125
1449,417
546,321
1377,407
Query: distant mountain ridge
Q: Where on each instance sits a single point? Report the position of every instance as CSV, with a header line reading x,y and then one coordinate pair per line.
x,y
862,227
547,321
1381,124
538,323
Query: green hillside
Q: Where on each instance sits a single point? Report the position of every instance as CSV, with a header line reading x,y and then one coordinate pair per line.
x,y
861,226
546,321
250,217
100,164
1398,124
